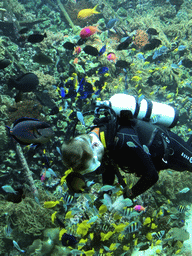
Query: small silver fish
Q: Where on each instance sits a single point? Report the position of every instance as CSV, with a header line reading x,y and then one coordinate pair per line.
x,y
8,230
15,244
131,144
80,117
89,183
52,173
184,190
107,188
9,189
146,149
59,151
93,219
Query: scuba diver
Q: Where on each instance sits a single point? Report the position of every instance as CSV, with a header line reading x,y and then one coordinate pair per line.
x,y
130,133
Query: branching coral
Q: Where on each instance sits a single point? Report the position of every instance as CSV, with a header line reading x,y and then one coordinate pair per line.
x,y
30,217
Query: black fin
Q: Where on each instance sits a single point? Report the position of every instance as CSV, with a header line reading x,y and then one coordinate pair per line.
x,y
24,119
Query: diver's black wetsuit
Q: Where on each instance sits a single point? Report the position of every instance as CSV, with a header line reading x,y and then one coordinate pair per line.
x,y
145,149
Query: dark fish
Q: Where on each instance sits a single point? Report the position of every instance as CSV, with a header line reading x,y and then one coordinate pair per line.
x,y
103,49
124,44
81,41
177,4
22,38
91,50
69,46
61,224
75,181
122,64
19,96
87,90
54,111
28,131
4,63
152,31
16,198
12,109
68,240
152,45
25,83
187,63
88,87
43,59
23,30
103,70
36,38
111,23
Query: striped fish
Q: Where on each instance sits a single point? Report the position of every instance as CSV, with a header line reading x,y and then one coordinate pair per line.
x,y
158,235
105,227
133,227
69,199
129,212
182,208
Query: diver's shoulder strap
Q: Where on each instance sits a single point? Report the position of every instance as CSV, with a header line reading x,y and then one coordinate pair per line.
x,y
100,134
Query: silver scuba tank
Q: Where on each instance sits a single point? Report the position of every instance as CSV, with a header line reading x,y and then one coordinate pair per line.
x,y
143,109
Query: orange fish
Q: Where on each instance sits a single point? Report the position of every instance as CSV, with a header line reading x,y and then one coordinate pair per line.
x,y
139,208
83,14
75,60
111,57
88,31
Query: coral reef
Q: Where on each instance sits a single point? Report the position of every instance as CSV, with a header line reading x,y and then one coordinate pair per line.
x,y
26,108
140,39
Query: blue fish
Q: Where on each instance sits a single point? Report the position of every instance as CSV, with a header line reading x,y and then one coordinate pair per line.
x,y
162,50
98,92
28,131
111,23
103,70
80,117
102,50
62,92
140,56
68,240
174,66
182,47
81,84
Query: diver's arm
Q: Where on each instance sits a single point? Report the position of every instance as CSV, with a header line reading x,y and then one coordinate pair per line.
x,y
149,175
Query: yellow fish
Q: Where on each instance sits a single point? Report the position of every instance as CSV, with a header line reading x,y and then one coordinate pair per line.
x,y
83,14
136,78
50,204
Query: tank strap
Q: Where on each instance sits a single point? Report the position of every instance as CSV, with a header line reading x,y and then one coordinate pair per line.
x,y
166,143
